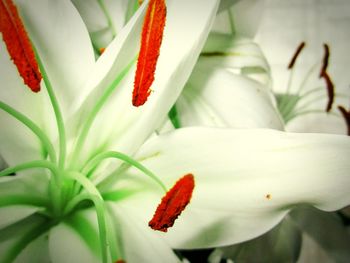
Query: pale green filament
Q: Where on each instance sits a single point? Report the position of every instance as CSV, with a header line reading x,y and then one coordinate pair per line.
x,y
33,127
108,17
57,110
117,155
94,195
97,107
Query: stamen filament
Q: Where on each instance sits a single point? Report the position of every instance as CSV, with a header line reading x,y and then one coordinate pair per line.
x,y
108,17
117,155
33,127
95,110
31,165
57,110
94,195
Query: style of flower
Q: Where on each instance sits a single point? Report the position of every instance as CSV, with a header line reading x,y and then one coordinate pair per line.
x,y
81,147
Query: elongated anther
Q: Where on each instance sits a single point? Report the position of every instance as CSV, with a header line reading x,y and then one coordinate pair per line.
x,y
346,116
172,204
18,45
325,59
151,40
330,90
296,55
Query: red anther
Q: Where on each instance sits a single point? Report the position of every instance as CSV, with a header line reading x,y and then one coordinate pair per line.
x,y
18,45
151,40
172,204
325,59
120,261
296,55
346,115
330,90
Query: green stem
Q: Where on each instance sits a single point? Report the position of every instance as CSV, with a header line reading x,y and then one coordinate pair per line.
x,y
95,196
33,127
95,110
117,155
57,110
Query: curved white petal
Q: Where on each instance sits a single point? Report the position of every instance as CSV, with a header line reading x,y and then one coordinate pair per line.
x,y
124,127
139,242
17,142
67,246
246,180
219,98
63,43
245,16
12,214
36,251
20,238
101,30
240,55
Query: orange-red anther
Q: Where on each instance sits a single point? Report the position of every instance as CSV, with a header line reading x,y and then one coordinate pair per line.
x,y
172,204
151,40
18,45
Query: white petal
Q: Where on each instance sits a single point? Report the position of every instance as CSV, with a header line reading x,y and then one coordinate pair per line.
x,y
63,44
247,180
18,143
216,97
12,214
245,15
36,251
76,250
140,243
240,55
124,127
15,238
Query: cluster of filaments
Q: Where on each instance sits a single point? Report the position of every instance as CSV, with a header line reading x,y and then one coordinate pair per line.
x,y
303,101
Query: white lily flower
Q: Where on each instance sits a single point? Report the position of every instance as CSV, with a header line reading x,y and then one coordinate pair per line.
x,y
245,180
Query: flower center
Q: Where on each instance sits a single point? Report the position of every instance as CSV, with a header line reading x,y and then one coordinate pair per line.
x,y
300,102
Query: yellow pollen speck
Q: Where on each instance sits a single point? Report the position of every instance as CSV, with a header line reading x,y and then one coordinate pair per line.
x,y
268,196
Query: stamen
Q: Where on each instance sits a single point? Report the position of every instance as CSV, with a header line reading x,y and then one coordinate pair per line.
x,y
346,115
330,90
140,2
172,204
151,40
120,261
325,59
296,55
18,45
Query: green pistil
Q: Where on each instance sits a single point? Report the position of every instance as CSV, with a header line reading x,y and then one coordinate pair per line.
x,y
57,110
117,155
95,110
33,127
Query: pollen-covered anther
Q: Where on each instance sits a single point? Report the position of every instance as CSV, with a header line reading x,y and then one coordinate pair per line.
x,y
18,45
101,50
346,116
296,55
151,40
172,204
